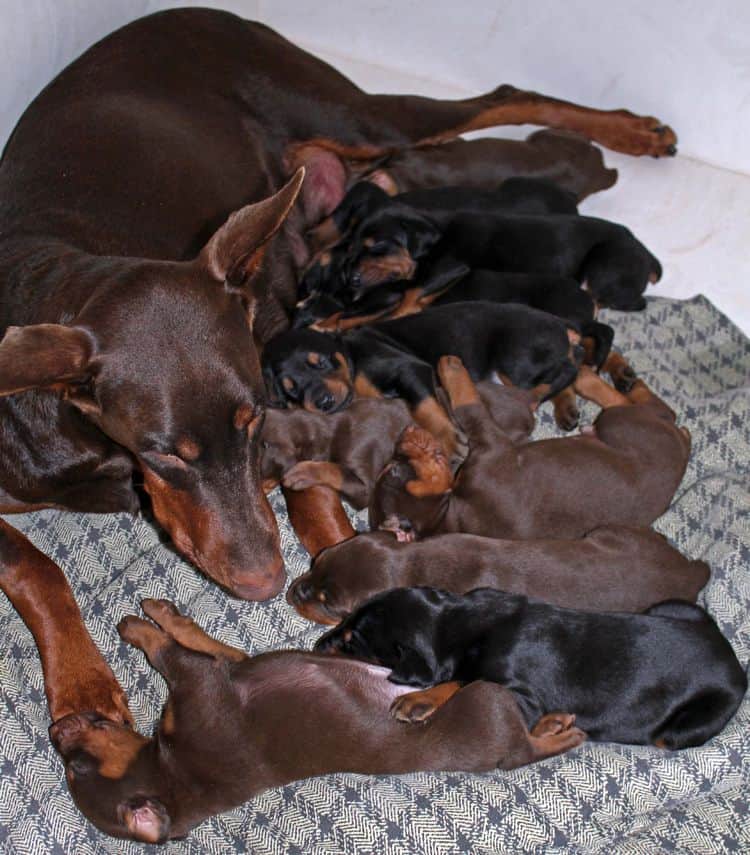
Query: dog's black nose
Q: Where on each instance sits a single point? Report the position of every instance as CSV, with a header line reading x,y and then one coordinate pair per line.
x,y
325,402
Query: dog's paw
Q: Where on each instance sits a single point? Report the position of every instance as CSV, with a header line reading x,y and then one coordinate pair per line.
x,y
553,723
413,708
637,135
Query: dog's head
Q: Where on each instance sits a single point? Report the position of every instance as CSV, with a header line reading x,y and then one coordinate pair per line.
x,y
398,630
310,369
161,360
387,246
618,273
113,776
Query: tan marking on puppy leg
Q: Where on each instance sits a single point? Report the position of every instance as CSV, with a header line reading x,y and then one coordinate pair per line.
x,y
365,389
589,385
431,416
566,409
456,381
420,705
318,518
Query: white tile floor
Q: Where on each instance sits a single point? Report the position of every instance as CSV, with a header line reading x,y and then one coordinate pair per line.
x,y
694,217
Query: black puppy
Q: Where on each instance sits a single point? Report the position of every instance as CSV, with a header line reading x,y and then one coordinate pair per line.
x,y
606,257
428,212
666,677
557,295
396,359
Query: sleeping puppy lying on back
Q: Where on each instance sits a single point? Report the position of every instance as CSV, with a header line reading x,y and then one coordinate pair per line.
x,y
624,470
322,373
612,568
666,677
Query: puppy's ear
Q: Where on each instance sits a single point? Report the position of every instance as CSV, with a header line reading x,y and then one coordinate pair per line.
x,y
421,238
275,396
146,819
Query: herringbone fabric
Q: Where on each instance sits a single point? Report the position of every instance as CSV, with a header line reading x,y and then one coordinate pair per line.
x,y
600,797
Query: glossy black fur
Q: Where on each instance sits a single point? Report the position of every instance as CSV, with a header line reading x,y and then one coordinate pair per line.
x,y
397,357
615,266
665,676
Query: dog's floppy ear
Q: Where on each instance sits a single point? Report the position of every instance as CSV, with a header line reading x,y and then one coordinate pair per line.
x,y
145,818
275,396
43,356
236,250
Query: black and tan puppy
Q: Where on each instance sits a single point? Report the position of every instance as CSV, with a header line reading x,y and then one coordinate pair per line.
x,y
557,295
606,257
666,677
440,204
347,450
623,471
232,728
396,359
427,212
612,568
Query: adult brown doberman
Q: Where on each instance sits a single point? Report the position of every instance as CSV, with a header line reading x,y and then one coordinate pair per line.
x,y
133,309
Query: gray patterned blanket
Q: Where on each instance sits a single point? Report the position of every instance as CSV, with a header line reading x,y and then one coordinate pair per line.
x,y
613,797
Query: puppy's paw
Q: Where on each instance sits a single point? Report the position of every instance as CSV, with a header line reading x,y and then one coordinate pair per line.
x,y
413,708
301,476
567,416
553,723
140,633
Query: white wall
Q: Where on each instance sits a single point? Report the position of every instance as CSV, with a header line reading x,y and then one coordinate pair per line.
x,y
685,61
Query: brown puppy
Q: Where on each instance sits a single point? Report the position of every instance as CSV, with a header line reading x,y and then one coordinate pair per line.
x,y
624,470
565,158
232,728
347,450
612,568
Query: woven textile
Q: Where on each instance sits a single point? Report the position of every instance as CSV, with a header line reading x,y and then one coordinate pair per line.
x,y
599,797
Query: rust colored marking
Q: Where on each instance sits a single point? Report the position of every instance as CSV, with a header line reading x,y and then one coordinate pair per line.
x,y
457,382
430,414
365,388
188,448
243,415
318,518
619,130
589,385
76,677
376,269
313,358
427,457
420,705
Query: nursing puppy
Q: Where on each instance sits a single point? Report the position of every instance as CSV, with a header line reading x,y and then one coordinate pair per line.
x,y
624,470
347,450
612,568
666,677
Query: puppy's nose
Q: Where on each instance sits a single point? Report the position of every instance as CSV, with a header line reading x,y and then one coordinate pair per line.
x,y
299,591
325,402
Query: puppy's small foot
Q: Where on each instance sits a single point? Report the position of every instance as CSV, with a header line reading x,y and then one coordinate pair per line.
x,y
567,418
623,375
556,743
413,708
140,633
553,723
